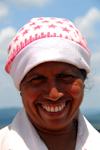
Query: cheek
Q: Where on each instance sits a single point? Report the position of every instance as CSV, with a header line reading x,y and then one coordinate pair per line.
x,y
30,94
77,95
76,90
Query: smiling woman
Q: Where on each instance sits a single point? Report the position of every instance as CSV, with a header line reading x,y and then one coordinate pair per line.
x,y
52,89
49,61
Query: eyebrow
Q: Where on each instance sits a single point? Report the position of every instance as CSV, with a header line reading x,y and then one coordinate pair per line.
x,y
69,70
64,71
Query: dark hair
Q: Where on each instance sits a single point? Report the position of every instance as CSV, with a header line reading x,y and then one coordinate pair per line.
x,y
84,73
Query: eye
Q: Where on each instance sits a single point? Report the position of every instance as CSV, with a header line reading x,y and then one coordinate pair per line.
x,y
38,78
65,76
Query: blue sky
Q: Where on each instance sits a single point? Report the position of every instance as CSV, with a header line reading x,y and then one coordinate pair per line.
x,y
85,14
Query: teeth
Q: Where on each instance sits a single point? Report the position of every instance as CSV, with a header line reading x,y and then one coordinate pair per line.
x,y
48,109
53,109
60,108
56,109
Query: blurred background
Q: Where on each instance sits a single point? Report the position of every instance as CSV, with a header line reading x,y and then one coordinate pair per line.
x,y
84,14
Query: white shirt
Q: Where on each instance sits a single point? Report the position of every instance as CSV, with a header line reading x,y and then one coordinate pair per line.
x,y
21,135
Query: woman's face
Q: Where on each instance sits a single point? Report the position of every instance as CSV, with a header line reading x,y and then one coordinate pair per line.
x,y
52,93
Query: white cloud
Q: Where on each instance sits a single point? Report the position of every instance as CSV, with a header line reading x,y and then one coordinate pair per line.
x,y
3,11
86,24
97,79
6,33
95,62
9,96
26,3
96,58
6,36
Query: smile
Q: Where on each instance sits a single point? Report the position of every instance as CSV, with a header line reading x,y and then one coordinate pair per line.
x,y
54,108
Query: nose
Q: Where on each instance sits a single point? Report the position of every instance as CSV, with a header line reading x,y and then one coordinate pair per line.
x,y
54,94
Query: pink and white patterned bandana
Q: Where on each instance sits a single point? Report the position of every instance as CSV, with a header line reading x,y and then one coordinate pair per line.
x,y
46,39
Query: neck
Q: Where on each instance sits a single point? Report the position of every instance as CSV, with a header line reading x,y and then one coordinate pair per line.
x,y
66,137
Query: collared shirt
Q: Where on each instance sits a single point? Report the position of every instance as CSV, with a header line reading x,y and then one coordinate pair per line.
x,y
21,135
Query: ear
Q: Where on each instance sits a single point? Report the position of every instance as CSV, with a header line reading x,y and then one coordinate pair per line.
x,y
21,94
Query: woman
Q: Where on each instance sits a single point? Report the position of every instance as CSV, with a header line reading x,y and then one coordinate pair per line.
x,y
49,61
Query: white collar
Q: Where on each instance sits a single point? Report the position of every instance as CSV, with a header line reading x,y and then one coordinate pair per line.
x,y
87,137
23,135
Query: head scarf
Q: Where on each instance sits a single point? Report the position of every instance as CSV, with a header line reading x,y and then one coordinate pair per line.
x,y
42,40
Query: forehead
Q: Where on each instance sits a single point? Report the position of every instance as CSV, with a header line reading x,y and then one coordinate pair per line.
x,y
55,67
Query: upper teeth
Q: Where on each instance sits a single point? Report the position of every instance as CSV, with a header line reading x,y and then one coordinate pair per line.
x,y
52,108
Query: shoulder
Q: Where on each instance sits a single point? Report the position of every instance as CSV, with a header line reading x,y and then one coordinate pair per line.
x,y
87,134
4,138
94,134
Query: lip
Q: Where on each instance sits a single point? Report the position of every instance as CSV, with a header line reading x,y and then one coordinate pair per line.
x,y
54,105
